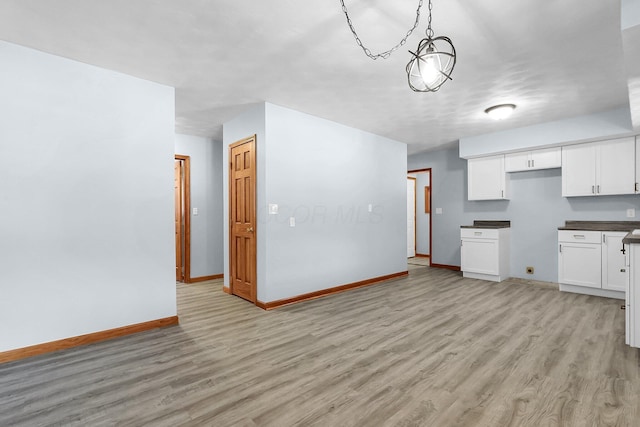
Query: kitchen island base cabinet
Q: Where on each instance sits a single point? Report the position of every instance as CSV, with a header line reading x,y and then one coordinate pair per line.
x,y
632,302
484,253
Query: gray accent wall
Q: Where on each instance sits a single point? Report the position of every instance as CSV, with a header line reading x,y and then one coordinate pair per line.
x,y
207,243
86,237
536,209
324,175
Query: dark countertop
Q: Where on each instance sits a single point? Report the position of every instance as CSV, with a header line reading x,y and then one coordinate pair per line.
x,y
489,224
601,225
631,239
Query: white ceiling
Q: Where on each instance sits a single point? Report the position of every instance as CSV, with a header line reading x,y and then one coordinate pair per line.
x,y
554,59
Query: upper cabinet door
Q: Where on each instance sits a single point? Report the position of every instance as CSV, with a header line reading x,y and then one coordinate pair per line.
x,y
515,162
637,183
486,179
578,170
546,158
615,171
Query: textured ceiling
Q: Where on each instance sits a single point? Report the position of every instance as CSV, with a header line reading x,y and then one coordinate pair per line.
x,y
554,59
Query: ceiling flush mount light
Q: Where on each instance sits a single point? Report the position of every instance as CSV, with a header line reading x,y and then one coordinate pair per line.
x,y
432,63
500,112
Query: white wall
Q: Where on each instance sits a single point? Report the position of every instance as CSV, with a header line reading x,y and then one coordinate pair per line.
x,y
206,195
324,174
590,127
87,199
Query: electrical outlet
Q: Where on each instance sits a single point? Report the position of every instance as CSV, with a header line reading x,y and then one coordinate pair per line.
x,y
631,213
529,270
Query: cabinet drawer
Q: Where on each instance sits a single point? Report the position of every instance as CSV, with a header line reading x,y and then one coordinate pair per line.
x,y
479,233
579,236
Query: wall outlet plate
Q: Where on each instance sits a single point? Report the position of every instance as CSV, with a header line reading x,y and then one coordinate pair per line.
x,y
631,213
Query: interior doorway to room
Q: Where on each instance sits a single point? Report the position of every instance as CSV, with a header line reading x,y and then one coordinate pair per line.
x,y
422,226
242,219
182,198
411,217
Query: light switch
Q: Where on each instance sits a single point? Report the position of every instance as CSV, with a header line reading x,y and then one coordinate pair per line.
x,y
292,221
273,209
370,207
195,211
631,213
438,211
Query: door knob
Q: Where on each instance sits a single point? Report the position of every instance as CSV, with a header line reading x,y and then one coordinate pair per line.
x,y
250,229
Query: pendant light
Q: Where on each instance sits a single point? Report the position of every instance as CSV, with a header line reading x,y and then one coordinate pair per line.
x,y
432,63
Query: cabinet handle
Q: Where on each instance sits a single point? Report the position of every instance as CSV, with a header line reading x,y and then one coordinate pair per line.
x,y
578,236
502,193
533,163
604,238
560,248
593,189
528,163
597,188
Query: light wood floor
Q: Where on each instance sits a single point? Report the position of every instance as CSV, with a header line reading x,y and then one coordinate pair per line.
x,y
432,349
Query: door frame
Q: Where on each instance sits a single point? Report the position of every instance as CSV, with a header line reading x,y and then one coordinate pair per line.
x,y
254,177
415,214
186,196
431,213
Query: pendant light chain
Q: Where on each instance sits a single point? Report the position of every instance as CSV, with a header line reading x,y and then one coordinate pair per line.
x,y
386,54
429,30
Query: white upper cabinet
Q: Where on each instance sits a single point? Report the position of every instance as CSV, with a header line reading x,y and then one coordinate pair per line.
x,y
616,171
486,178
579,170
599,168
546,158
637,183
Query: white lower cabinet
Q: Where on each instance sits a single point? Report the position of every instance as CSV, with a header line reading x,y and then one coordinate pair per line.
x,y
484,253
632,301
615,272
590,262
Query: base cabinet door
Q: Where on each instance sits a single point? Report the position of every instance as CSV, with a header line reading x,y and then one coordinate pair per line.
x,y
479,256
615,273
580,264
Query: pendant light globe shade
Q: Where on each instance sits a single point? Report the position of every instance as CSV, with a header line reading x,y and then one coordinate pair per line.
x,y
432,64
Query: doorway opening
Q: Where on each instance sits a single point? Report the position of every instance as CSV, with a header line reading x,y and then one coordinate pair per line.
x,y
182,197
423,218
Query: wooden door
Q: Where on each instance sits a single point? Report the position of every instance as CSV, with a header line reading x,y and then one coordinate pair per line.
x,y
242,219
177,189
